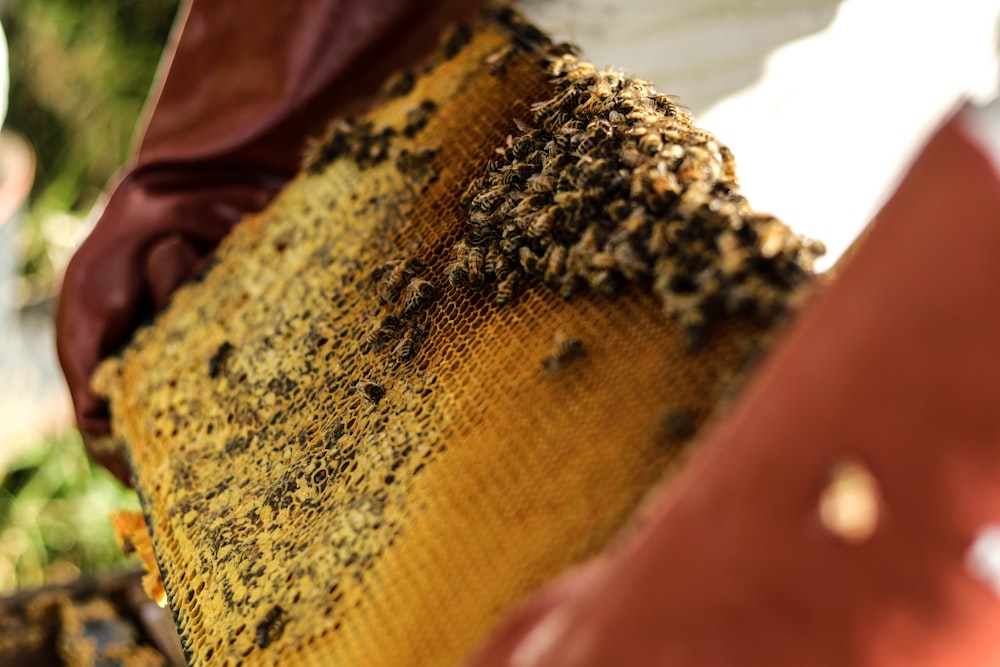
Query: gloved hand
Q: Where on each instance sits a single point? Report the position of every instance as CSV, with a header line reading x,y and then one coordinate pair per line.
x,y
242,88
848,511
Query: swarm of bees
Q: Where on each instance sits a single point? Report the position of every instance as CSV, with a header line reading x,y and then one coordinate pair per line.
x,y
610,183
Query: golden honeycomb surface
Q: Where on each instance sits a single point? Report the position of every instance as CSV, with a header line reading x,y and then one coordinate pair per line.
x,y
349,452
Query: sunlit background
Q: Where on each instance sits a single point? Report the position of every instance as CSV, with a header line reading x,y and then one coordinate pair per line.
x,y
823,103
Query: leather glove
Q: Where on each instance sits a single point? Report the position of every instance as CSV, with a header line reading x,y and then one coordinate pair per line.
x,y
847,512
243,85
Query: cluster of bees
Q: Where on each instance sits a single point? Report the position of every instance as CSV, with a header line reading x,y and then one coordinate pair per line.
x,y
367,144
610,183
364,142
401,290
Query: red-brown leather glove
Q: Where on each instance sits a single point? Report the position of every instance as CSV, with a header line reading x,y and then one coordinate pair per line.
x,y
893,373
245,84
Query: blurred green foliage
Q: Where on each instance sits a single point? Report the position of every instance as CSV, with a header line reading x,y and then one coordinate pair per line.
x,y
80,71
54,506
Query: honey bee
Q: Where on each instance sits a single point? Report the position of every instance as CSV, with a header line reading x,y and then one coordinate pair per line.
x,y
604,282
510,242
631,157
694,198
372,391
454,38
696,165
636,222
585,142
678,425
605,86
530,204
618,209
542,224
572,127
564,350
595,172
570,200
603,261
458,273
406,348
600,127
476,186
474,266
698,137
663,181
651,143
509,175
408,160
540,182
333,144
392,277
563,142
506,288
398,84
459,249
673,135
629,263
536,157
542,107
496,264
419,294
498,60
553,116
588,243
383,332
271,627
569,284
667,105
479,217
692,323
486,234
560,66
592,197
218,360
418,116
504,151
529,260
523,147
488,199
728,164
555,164
523,170
555,265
